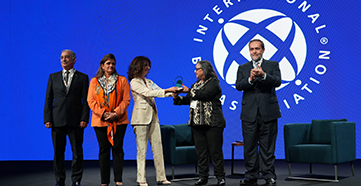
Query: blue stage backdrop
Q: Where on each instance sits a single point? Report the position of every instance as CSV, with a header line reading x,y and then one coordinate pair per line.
x,y
316,42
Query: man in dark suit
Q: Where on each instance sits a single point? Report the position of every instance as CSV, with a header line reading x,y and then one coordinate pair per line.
x,y
260,111
66,112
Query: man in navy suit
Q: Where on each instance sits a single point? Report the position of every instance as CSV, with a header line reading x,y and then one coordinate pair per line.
x,y
66,112
260,111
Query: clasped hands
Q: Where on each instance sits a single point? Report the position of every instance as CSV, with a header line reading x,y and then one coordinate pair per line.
x,y
109,116
256,73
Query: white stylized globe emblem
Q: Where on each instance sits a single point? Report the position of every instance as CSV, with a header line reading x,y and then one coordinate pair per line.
x,y
284,42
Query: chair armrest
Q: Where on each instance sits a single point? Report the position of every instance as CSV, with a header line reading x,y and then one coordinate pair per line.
x,y
343,141
295,133
168,142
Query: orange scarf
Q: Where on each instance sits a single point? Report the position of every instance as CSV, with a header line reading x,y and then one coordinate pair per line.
x,y
107,98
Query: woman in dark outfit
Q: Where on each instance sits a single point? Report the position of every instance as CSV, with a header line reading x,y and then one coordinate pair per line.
x,y
207,121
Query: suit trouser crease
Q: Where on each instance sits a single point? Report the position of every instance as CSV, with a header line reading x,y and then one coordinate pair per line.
x,y
259,147
117,152
144,133
75,135
208,142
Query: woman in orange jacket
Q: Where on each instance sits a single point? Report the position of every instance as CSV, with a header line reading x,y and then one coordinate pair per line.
x,y
109,98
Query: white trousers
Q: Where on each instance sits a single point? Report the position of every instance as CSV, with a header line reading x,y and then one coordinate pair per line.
x,y
150,132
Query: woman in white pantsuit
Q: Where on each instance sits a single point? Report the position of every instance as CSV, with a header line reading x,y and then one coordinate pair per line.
x,y
144,120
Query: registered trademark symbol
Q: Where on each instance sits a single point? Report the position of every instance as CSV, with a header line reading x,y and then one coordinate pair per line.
x,y
324,40
220,20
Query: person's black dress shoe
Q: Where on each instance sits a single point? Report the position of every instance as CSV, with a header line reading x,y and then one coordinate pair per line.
x,y
75,183
60,184
221,182
247,181
271,182
201,182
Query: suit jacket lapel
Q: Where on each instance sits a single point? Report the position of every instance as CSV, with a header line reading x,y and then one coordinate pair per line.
x,y
73,81
146,83
264,65
249,66
59,79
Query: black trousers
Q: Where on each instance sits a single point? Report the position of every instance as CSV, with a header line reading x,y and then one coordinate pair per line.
x,y
259,147
209,142
75,135
104,153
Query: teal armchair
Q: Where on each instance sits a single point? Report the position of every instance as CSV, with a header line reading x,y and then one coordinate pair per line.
x,y
178,145
320,142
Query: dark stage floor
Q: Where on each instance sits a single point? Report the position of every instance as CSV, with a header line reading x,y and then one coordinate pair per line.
x,y
40,173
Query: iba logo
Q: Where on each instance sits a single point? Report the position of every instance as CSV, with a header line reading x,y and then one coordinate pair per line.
x,y
284,40
239,31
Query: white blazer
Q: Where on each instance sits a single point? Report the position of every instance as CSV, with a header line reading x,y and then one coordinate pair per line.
x,y
142,94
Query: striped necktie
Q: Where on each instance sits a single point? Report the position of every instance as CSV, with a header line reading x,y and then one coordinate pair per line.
x,y
256,63
66,77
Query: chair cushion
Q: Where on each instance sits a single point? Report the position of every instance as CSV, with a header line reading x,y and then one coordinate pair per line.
x,y
185,155
311,153
321,131
183,135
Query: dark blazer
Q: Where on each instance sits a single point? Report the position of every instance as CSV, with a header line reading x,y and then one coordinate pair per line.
x,y
210,93
261,95
63,108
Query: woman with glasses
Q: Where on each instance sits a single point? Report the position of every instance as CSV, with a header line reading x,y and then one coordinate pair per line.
x,y
207,120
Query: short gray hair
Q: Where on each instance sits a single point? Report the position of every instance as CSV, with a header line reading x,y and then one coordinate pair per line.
x,y
72,53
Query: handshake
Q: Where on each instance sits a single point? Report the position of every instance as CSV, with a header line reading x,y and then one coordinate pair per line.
x,y
177,90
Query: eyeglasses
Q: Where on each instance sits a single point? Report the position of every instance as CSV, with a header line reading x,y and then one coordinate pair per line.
x,y
197,69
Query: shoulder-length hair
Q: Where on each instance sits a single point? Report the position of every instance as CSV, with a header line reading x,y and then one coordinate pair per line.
x,y
208,69
100,72
137,65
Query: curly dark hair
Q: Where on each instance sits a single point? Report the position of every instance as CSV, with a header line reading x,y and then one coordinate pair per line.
x,y
137,65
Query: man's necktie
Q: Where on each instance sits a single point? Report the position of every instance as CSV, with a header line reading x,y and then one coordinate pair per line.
x,y
256,64
66,77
